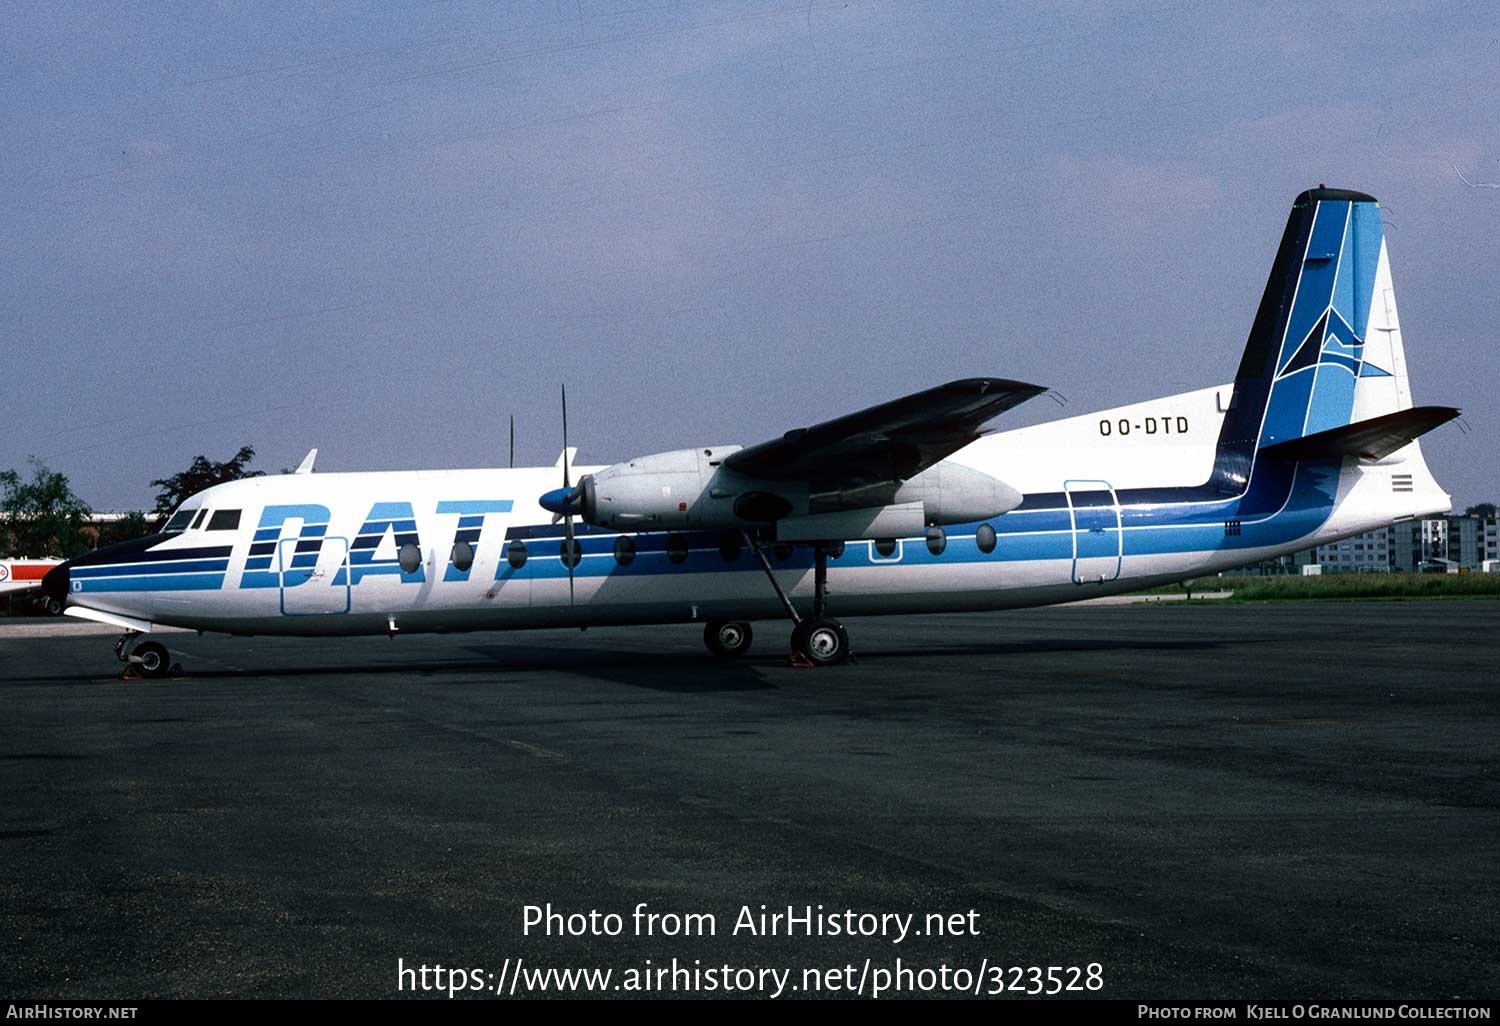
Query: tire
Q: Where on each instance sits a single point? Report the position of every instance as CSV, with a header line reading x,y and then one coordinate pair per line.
x,y
727,639
155,660
821,642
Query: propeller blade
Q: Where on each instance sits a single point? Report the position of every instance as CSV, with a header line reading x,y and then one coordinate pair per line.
x,y
568,529
513,441
566,482
567,487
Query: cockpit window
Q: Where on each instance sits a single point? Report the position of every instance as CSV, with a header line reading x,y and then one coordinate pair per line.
x,y
198,522
179,521
224,520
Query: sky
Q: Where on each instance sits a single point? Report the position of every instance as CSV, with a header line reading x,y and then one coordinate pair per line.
x,y
385,229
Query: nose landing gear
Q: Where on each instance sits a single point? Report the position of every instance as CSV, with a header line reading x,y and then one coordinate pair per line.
x,y
149,659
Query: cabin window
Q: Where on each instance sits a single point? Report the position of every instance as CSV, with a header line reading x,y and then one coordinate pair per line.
x,y
985,538
677,547
624,550
410,558
570,552
225,520
729,546
885,546
179,521
834,549
463,556
937,540
782,550
515,554
198,520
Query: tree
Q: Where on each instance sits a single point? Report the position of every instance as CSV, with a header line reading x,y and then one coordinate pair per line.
x,y
204,473
41,517
129,527
1483,509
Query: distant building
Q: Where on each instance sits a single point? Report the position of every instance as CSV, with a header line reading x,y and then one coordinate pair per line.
x,y
1371,552
1419,541
1472,540
1461,540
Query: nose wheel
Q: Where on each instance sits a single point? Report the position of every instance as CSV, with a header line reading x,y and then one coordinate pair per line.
x,y
148,659
154,659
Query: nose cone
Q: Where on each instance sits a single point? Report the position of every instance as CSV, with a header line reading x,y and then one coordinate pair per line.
x,y
561,501
55,583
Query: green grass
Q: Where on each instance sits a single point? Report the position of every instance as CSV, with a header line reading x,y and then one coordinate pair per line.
x,y
1349,586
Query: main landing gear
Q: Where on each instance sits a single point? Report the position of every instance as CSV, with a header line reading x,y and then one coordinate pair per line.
x,y
149,659
727,639
818,640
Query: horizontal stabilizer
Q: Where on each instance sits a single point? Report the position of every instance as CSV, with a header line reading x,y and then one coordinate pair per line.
x,y
1371,439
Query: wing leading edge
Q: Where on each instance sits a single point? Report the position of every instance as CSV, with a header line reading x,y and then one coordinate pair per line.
x,y
893,441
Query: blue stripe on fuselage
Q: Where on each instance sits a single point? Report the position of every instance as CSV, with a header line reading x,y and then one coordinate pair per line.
x,y
1287,502
148,569
152,582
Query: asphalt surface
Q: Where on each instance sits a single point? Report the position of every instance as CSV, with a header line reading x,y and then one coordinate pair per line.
x,y
1215,800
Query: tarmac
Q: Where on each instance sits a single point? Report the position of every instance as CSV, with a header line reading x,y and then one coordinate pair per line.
x,y
1202,800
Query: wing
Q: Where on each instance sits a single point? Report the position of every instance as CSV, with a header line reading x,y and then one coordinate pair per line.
x,y
890,442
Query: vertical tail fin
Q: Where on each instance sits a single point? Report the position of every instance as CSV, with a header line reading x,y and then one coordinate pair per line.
x,y
1325,348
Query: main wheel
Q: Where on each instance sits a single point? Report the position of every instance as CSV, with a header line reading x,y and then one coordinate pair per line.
x,y
821,642
727,639
155,659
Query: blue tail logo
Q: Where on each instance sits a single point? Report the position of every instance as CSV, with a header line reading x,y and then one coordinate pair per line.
x,y
1321,351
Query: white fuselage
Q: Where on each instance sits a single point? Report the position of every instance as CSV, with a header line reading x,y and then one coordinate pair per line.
x,y
354,583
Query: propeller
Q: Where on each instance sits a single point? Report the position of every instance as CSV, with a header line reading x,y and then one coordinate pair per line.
x,y
568,517
563,503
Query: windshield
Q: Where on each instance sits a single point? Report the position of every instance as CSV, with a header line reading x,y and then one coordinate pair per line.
x,y
179,521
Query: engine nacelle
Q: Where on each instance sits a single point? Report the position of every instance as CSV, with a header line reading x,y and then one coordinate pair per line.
x,y
690,489
678,490
951,493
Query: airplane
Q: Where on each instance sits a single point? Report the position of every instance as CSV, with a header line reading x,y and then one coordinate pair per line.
x,y
909,506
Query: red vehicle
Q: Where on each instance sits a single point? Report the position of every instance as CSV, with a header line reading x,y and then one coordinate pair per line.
x,y
19,576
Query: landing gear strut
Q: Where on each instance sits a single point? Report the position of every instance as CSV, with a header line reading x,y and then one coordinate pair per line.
x,y
122,647
820,640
